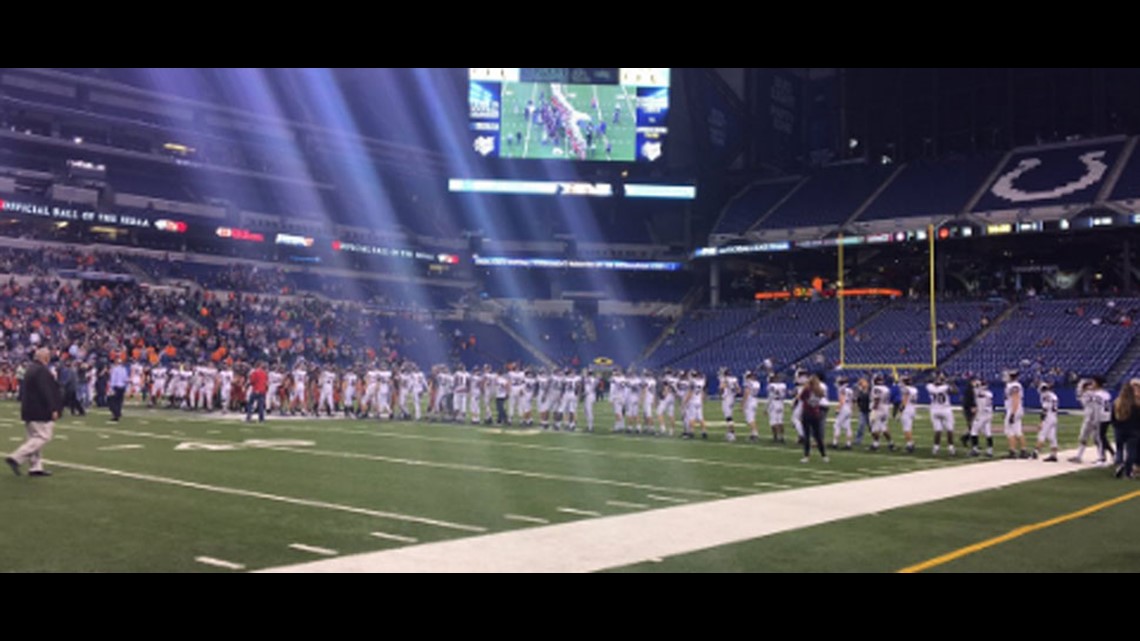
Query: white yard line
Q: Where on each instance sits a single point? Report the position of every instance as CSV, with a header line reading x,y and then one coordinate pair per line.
x,y
526,519
635,506
269,497
775,486
125,446
666,499
617,541
573,510
394,537
313,549
219,563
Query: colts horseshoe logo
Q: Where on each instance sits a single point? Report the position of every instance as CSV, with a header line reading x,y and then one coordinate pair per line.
x,y
1094,171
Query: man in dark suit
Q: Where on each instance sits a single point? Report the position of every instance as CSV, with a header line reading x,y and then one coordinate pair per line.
x,y
39,409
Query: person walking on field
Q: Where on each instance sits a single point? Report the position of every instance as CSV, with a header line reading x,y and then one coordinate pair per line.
x,y
40,405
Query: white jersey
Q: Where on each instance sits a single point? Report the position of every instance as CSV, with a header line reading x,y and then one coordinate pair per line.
x,y
696,391
939,397
1013,387
649,388
276,379
419,383
327,380
136,373
462,381
846,394
475,384
517,379
729,386
777,392
502,386
1102,404
384,380
350,379
591,389
299,376
751,392
371,378
570,385
226,378
985,400
632,389
880,398
617,389
158,377
1049,403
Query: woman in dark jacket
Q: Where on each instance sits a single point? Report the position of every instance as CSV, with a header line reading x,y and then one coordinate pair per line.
x,y
1126,426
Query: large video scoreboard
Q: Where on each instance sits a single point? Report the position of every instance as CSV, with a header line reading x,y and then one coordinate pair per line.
x,y
569,113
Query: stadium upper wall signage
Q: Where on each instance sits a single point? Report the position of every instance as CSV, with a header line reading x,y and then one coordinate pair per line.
x,y
393,252
235,233
562,263
293,241
54,212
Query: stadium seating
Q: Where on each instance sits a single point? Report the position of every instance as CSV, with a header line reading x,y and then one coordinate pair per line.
x,y
942,187
829,197
750,204
1051,339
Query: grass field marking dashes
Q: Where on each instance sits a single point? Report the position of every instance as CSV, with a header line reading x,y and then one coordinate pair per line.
x,y
270,497
774,486
574,510
572,450
635,506
449,466
1016,533
394,537
125,446
219,563
526,519
666,499
313,549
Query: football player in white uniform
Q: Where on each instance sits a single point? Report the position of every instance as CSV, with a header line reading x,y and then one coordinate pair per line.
x,y
729,388
777,392
1102,399
348,391
590,390
1014,411
648,398
273,396
667,406
475,397
941,414
526,400
1048,431
297,398
695,405
631,407
157,384
751,395
461,391
327,381
617,398
571,387
880,412
983,418
797,411
843,416
226,387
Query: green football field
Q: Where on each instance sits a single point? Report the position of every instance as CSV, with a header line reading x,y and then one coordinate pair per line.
x,y
523,138
174,492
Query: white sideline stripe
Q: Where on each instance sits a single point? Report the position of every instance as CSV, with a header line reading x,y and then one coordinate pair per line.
x,y
876,470
270,497
209,560
125,446
526,519
636,506
616,541
394,537
314,549
463,467
571,510
745,490
777,486
667,499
